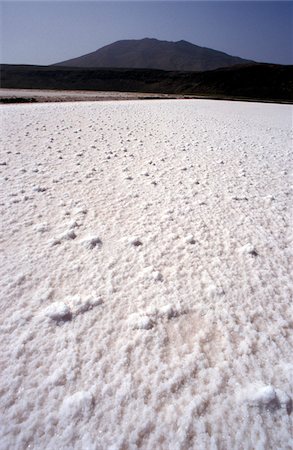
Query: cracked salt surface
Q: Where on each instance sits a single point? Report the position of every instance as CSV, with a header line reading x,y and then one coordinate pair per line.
x,y
152,311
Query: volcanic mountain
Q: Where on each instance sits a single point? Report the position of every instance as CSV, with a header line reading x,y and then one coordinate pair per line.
x,y
154,54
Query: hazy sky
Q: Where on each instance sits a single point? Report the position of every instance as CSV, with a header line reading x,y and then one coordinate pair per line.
x,y
43,32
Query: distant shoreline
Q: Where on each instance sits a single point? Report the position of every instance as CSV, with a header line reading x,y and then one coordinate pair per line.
x,y
57,95
256,82
32,96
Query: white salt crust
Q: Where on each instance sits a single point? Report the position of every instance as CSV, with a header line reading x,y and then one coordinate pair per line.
x,y
146,257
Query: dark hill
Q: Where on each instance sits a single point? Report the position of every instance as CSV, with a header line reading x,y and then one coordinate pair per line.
x,y
252,81
155,54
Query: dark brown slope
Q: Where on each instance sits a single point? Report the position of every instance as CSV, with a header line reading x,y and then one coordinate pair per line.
x,y
254,82
155,54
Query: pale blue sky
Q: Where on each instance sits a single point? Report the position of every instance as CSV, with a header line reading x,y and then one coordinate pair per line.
x,y
42,32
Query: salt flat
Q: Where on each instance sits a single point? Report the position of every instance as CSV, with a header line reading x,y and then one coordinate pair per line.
x,y
146,289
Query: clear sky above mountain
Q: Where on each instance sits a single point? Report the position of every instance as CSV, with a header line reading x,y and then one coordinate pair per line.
x,y
45,32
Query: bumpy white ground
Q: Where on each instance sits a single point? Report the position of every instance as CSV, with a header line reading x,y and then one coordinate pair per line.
x,y
146,251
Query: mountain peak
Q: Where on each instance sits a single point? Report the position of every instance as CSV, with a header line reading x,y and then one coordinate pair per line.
x,y
151,53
